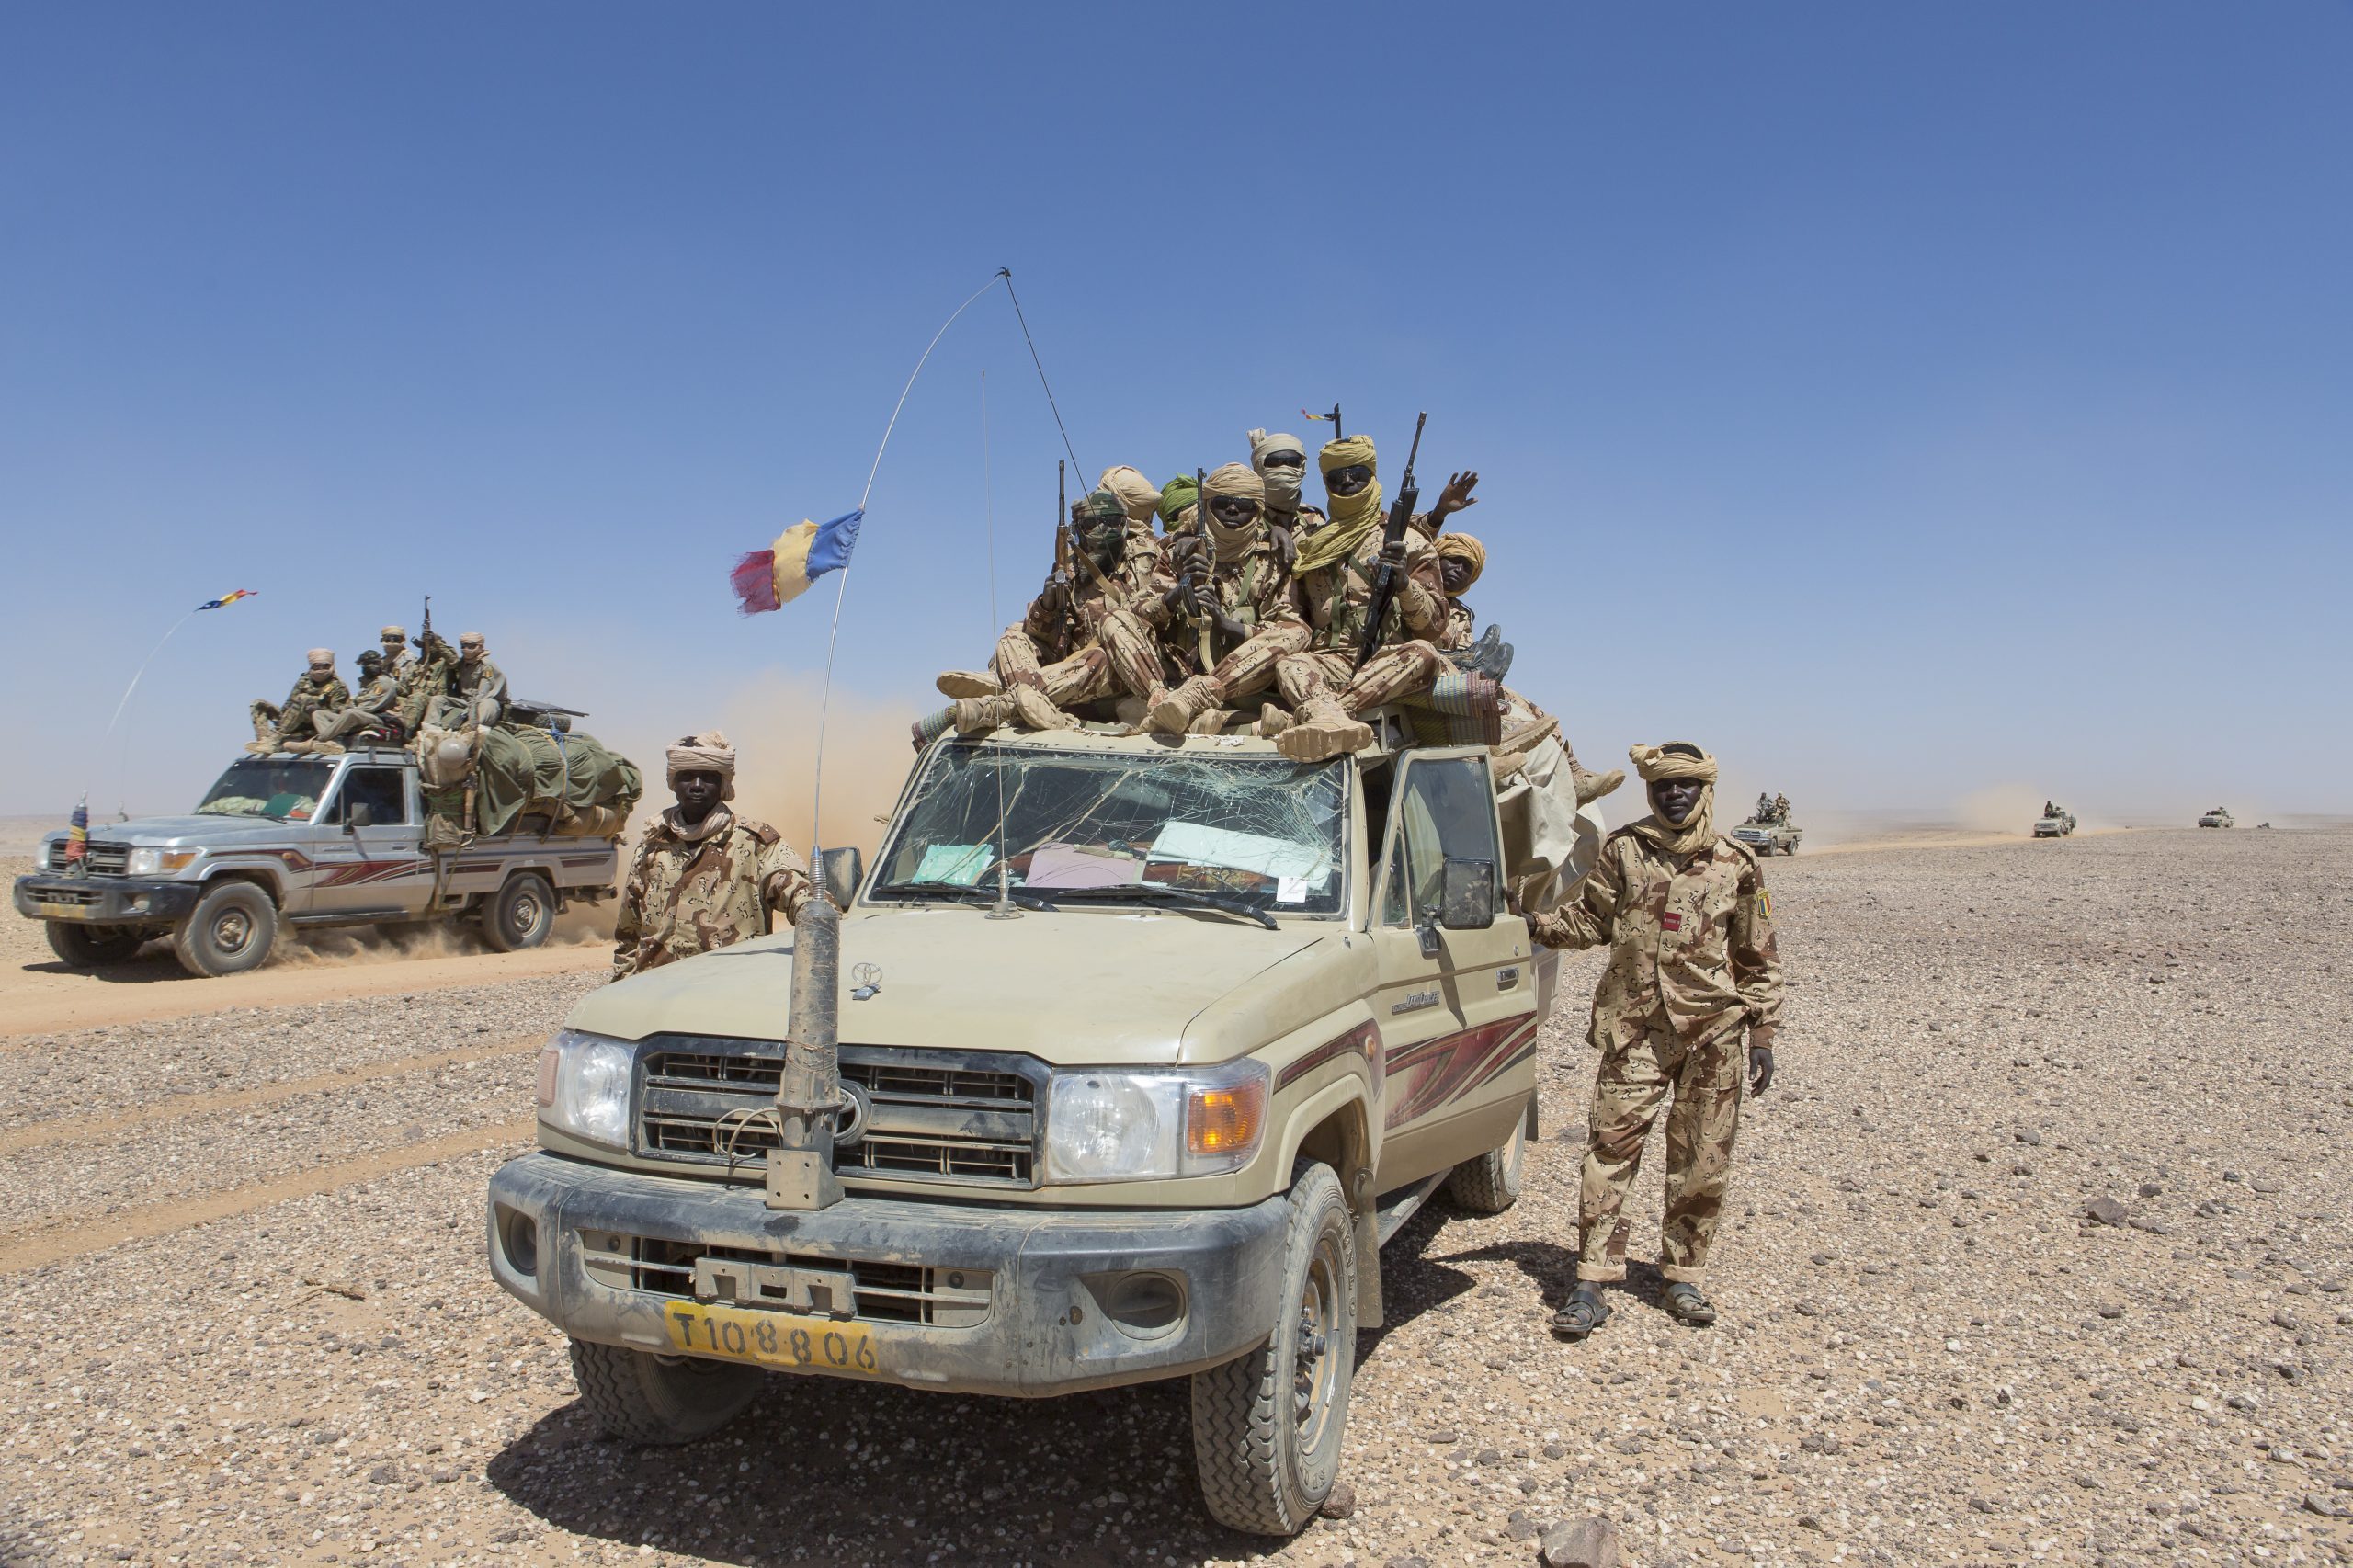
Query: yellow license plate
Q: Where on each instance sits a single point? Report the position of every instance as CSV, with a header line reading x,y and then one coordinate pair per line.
x,y
60,911
770,1338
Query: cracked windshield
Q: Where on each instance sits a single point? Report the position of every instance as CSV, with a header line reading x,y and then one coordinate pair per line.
x,y
259,788
1263,832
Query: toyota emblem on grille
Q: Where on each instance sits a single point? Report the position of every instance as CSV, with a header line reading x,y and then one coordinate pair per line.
x,y
868,980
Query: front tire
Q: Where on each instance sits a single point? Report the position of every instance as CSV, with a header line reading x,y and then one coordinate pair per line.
x,y
521,913
1490,1184
231,930
1268,1427
666,1400
87,947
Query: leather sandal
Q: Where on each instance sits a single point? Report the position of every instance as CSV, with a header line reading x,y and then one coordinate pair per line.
x,y
1686,1305
1583,1312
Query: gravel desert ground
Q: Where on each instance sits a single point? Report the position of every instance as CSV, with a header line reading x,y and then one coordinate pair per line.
x,y
2039,1252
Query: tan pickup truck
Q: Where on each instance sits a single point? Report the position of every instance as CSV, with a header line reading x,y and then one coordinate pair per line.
x,y
1150,1042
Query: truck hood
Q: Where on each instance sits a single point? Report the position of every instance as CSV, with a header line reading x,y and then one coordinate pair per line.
x,y
1074,988
208,831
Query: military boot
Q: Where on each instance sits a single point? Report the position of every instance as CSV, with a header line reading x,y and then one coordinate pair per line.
x,y
1175,711
326,748
978,715
969,683
1591,787
1273,720
1323,730
1033,710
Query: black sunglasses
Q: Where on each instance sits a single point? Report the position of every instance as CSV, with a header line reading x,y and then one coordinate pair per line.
x,y
1355,473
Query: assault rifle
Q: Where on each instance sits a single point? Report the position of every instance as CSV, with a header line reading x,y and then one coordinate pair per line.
x,y
1393,550
1204,570
1062,525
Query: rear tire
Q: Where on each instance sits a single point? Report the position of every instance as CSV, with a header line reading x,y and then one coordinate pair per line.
x,y
644,1398
1268,1427
521,914
231,930
1490,1184
87,947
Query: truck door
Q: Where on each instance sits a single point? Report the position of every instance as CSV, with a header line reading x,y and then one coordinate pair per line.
x,y
1457,1008
368,852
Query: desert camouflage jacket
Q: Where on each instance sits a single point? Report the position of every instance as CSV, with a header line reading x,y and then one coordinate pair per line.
x,y
1062,621
377,695
1690,938
421,680
1252,588
480,678
691,889
1340,596
1461,629
308,696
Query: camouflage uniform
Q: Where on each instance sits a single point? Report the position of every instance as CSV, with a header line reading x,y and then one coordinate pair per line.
x,y
477,692
694,889
1100,636
422,679
1338,598
275,724
1692,961
1253,588
370,710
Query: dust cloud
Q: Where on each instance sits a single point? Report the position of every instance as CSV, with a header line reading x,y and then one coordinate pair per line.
x,y
773,722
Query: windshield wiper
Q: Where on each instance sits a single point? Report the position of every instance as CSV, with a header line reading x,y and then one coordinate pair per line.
x,y
958,893
1163,892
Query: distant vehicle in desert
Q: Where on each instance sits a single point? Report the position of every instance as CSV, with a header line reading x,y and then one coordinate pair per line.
x,y
2217,817
1769,835
2057,821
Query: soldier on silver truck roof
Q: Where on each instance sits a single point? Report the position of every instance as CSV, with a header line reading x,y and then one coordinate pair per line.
x,y
275,724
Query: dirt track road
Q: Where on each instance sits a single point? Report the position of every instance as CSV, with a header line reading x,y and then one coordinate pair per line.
x,y
245,1317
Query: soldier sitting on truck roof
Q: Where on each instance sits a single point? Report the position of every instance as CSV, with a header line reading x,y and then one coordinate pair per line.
x,y
1281,460
393,642
704,878
368,713
1239,609
477,691
1325,689
1092,633
279,726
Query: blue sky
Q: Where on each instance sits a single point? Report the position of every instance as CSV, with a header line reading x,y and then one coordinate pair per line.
x,y
1902,402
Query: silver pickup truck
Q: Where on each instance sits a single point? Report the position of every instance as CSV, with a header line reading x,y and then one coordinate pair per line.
x,y
300,841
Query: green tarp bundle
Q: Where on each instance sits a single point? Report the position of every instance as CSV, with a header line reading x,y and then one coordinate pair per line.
x,y
521,772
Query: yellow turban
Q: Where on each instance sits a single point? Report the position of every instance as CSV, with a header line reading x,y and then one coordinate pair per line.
x,y
707,753
1656,763
1353,516
1135,492
1463,548
1235,479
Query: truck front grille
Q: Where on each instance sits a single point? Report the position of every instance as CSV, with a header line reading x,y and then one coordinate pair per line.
x,y
105,859
935,1115
887,1293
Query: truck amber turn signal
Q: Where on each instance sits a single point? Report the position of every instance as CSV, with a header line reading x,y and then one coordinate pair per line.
x,y
1220,1121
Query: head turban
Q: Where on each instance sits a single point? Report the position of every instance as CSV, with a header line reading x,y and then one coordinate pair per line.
x,y
1463,548
1235,479
471,640
1177,499
1353,516
321,658
1658,763
1098,506
1135,490
394,635
1282,485
706,753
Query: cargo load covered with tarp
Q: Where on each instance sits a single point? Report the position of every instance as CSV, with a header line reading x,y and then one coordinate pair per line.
x,y
519,779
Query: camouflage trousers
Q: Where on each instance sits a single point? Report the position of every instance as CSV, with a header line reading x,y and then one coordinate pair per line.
x,y
1399,670
1705,1083
1249,669
272,723
1123,660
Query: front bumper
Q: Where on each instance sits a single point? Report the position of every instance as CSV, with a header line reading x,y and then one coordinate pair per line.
x,y
105,900
1046,1330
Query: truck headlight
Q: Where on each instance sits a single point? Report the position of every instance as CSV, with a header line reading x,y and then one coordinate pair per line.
x,y
1117,1125
583,1086
158,862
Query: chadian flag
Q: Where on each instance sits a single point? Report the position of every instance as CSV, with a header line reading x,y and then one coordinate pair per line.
x,y
77,833
229,598
766,579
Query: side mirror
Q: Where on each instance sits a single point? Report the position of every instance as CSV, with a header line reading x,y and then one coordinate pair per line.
x,y
840,872
360,814
1466,896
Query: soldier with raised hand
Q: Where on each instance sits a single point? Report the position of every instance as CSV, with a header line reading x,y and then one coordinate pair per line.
x,y
1693,965
280,724
1092,633
477,688
704,878
1247,597
1460,560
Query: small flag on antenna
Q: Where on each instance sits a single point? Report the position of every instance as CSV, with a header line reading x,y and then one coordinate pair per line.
x,y
226,599
768,579
77,833
1318,418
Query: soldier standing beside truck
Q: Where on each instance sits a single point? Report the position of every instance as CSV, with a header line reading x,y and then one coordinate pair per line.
x,y
1692,964
704,878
